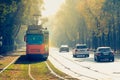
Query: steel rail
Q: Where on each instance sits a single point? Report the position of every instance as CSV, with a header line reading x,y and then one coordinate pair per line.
x,y
8,65
54,72
29,73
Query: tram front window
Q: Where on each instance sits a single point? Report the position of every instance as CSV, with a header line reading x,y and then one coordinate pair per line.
x,y
34,39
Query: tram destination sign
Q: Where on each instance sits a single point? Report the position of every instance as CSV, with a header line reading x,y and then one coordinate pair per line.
x,y
34,31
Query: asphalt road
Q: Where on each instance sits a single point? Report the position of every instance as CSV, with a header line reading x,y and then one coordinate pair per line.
x,y
85,68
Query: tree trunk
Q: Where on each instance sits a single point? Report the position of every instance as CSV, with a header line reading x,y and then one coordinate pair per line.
x,y
8,43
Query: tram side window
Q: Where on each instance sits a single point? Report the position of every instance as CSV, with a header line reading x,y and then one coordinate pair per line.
x,y
34,39
46,39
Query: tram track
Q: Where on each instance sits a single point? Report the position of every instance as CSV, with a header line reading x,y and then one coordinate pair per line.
x,y
29,73
17,65
80,74
20,64
55,74
49,68
13,61
16,68
3,69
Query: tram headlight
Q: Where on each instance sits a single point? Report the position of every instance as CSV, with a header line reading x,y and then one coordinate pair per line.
x,y
46,48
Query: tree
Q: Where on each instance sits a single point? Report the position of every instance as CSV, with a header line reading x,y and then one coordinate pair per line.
x,y
13,13
68,26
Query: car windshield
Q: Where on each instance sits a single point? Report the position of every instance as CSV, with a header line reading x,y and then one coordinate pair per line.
x,y
81,47
64,47
34,39
104,49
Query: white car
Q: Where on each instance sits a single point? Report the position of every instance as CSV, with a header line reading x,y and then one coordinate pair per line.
x,y
80,50
64,48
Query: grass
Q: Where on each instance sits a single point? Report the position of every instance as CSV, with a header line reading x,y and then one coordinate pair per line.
x,y
56,70
60,72
6,60
19,70
40,72
15,72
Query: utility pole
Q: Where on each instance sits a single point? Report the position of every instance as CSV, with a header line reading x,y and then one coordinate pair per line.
x,y
36,18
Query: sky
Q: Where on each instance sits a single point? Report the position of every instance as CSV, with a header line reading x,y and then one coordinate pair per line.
x,y
51,7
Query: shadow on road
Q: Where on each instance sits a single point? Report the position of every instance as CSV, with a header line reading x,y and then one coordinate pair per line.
x,y
23,59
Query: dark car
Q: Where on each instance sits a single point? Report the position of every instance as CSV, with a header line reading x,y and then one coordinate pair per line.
x,y
64,48
104,54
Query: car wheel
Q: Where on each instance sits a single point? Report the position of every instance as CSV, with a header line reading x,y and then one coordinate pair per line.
x,y
97,59
112,59
94,59
74,55
88,55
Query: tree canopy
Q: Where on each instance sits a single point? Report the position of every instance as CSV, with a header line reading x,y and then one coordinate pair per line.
x,y
94,22
13,14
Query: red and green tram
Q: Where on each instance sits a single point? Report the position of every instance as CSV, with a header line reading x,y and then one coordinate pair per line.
x,y
37,42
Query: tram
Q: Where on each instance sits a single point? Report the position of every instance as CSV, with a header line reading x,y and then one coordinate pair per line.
x,y
37,42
